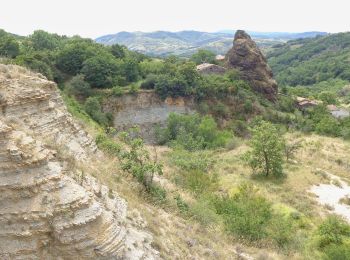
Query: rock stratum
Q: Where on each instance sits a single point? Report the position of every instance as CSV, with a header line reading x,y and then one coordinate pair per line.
x,y
146,110
48,209
249,60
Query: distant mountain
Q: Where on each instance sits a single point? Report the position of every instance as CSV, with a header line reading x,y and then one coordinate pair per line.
x,y
184,43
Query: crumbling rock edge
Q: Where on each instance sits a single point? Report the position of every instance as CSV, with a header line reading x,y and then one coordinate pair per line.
x,y
46,210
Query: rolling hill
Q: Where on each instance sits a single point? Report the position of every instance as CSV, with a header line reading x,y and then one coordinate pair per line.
x,y
184,43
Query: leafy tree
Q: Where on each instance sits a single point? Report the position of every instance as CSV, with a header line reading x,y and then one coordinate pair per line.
x,y
100,70
79,87
42,40
328,125
266,156
328,97
9,47
71,58
131,69
118,51
203,56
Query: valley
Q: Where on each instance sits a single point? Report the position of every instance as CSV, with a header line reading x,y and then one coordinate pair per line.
x,y
109,153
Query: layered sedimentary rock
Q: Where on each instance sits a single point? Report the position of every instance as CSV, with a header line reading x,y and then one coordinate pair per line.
x,y
146,110
48,210
248,59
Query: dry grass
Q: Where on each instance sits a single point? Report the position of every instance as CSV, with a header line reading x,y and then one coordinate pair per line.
x,y
178,237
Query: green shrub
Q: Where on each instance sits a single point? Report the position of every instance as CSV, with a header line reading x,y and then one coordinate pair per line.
x,y
117,91
93,108
333,230
136,160
181,204
149,82
188,161
204,212
133,88
108,145
158,194
246,214
199,182
337,252
192,132
77,86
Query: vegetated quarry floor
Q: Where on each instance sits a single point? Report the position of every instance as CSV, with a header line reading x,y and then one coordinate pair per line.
x,y
178,237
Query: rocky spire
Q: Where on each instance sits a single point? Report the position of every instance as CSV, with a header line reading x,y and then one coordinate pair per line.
x,y
248,59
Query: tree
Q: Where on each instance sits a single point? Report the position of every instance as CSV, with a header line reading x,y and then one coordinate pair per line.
x,y
9,47
42,40
328,97
71,58
79,87
266,156
203,56
100,70
118,51
131,69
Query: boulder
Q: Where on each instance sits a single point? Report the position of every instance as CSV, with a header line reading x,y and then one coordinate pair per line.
x,y
246,57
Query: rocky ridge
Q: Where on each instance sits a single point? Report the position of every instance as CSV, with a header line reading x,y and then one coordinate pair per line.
x,y
48,208
249,60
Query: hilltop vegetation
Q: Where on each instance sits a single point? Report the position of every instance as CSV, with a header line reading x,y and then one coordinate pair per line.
x,y
311,61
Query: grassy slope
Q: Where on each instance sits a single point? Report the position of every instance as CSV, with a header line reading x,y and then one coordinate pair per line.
x,y
176,236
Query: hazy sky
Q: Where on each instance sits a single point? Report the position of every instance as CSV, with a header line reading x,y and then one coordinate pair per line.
x,y
92,18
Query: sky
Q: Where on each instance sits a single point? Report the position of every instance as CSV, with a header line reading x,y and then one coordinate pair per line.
x,y
93,18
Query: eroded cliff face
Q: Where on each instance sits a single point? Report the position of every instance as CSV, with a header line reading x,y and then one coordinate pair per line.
x,y
48,209
248,59
145,109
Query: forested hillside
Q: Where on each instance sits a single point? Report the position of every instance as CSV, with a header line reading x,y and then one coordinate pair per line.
x,y
312,60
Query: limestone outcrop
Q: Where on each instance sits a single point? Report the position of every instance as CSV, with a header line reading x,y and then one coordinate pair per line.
x,y
48,209
246,57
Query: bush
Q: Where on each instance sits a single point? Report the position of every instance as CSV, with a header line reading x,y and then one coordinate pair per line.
x,y
117,91
193,132
93,108
199,182
188,161
204,212
108,145
77,86
149,82
133,88
246,214
135,159
333,230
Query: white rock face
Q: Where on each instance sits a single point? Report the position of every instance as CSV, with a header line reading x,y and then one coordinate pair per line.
x,y
46,213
